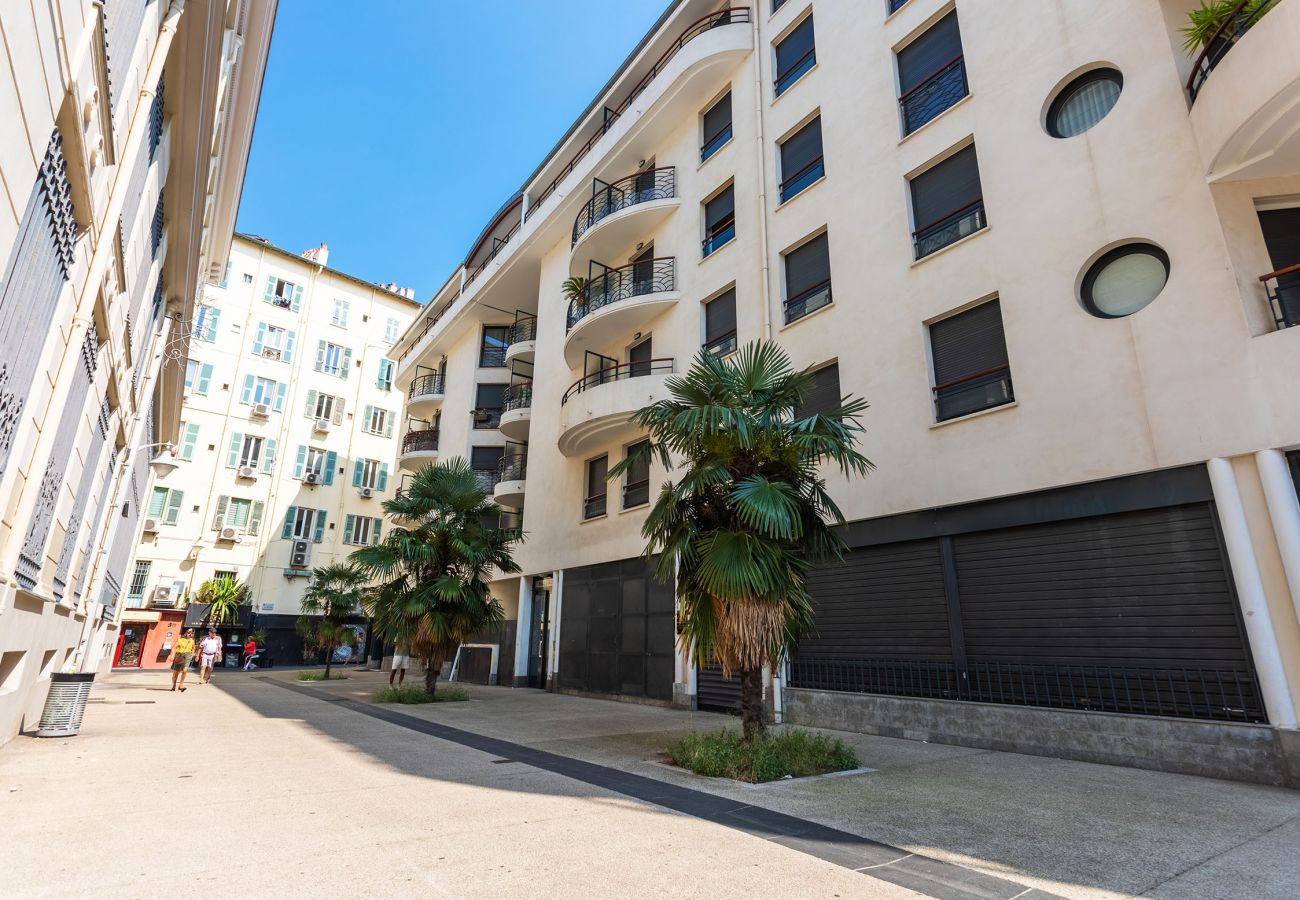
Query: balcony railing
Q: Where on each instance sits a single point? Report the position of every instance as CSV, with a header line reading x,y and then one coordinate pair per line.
x,y
807,301
1283,289
802,178
420,441
636,279
735,15
972,393
657,184
720,235
1238,22
518,396
621,372
948,230
426,386
513,467
487,478
715,143
944,87
524,329
722,344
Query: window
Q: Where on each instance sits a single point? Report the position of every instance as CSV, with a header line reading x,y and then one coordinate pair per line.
x,y
947,202
139,580
1125,280
1280,229
378,421
795,55
636,483
324,406
362,531
824,396
717,126
384,381
189,437
492,353
333,359
486,463
239,513
370,473
251,450
165,505
274,342
931,73
248,278
720,219
801,159
593,504
720,323
895,5
392,330
206,320
1084,102
303,524
263,390
281,293
489,402
314,465
340,317
198,377
969,355
807,278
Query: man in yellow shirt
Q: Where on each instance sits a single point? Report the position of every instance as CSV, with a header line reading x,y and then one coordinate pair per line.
x,y
182,653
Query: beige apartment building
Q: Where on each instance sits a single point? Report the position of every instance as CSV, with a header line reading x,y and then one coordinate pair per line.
x,y
126,132
286,451
1052,250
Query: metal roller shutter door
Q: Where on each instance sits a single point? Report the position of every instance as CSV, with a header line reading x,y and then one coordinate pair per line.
x,y
714,692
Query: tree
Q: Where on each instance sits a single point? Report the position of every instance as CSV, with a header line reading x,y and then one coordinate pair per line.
x,y
430,572
335,595
223,596
749,516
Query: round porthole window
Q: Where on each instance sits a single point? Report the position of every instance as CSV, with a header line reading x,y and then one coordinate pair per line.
x,y
1125,280
1084,102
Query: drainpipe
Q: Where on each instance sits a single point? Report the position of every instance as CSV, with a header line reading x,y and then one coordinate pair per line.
x,y
1284,510
1250,593
765,277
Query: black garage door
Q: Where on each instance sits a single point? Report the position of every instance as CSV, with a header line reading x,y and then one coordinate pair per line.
x,y
1131,612
616,631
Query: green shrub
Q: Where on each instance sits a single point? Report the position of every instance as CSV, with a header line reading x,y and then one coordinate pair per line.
x,y
409,693
791,751
319,676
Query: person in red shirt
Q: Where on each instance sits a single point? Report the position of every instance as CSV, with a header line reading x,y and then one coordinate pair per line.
x,y
250,651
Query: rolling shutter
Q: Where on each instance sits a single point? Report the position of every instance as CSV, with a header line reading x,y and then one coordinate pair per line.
x,y
801,149
945,188
720,316
825,394
796,45
717,118
807,266
719,209
967,343
939,45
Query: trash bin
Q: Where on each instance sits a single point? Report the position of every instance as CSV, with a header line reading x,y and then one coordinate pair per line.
x,y
65,704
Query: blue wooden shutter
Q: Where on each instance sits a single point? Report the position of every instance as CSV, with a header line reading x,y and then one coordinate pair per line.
x,y
255,518
331,463
347,528
174,500
301,462
219,517
377,523
357,468
383,477
247,395
388,423
205,380
236,442
287,533
260,339
268,455
289,338
279,396
347,362
156,503
269,296
310,411
320,356
367,421
210,332
297,297
320,526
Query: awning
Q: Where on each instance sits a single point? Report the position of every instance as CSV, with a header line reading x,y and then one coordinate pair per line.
x,y
140,615
196,615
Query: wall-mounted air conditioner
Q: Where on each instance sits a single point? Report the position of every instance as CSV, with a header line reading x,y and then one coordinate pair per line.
x,y
247,472
163,595
311,478
261,410
367,492
322,424
229,534
150,526
300,554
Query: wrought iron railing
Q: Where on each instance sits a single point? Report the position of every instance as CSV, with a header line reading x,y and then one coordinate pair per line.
x,y
940,90
1238,22
518,396
636,279
498,244
524,329
803,177
971,393
492,356
620,372
722,344
487,478
1283,290
421,440
951,228
487,417
426,386
513,467
656,184
715,143
796,69
807,301
1224,695
720,235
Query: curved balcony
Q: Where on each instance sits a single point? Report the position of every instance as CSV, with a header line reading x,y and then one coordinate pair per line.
x,y
617,214
617,303
512,472
419,447
425,394
598,408
521,342
517,415
1245,89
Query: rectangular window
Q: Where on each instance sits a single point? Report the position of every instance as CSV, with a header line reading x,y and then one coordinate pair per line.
x,y
1281,231
717,126
720,219
492,353
801,159
333,364
593,504
314,463
486,463
198,377
206,320
139,580
324,406
825,394
370,473
392,330
947,202
264,390
384,381
363,527
636,483
377,422
720,323
795,55
304,524
273,342
807,278
489,402
165,505
189,438
251,451
969,356
931,73
238,512
282,293
340,317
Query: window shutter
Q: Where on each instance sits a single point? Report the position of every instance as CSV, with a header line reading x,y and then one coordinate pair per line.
x,y
260,339
297,297
174,500
388,424
269,296
369,418
347,362
320,356
720,316
374,531
300,462
331,463
289,516
289,338
967,343
247,395
938,46
795,47
214,316
807,266
255,519
190,439
383,477
205,379
719,208
348,522
219,517
156,503
280,390
236,442
310,411
802,148
945,188
268,455
825,394
717,117
358,468
338,410
320,526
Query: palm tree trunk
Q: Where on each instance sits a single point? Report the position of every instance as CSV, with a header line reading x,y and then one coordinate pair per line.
x,y
431,676
329,656
751,703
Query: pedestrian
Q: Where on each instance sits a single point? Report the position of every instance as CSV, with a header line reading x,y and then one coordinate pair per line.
x,y
182,653
250,651
209,649
401,658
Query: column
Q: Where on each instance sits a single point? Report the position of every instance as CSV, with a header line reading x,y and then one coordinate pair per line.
x,y
523,630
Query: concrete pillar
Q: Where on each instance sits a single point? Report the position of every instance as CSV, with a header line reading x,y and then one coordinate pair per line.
x,y
1250,593
1284,510
553,650
523,630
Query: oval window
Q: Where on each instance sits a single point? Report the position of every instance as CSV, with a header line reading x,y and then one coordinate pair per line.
x,y
1125,280
1084,102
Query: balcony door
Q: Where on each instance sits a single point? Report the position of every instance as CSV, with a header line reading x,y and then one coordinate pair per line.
x,y
643,271
597,369
639,359
1281,229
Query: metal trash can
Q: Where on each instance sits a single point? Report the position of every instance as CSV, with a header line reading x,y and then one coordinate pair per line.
x,y
65,704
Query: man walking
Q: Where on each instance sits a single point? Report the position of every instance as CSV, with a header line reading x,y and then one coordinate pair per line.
x,y
401,658
209,647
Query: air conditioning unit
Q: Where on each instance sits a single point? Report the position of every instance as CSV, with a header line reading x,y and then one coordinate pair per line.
x,y
311,478
271,352
261,410
247,472
367,492
300,555
163,596
229,534
150,526
322,424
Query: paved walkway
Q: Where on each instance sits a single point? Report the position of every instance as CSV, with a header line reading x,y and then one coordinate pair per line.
x,y
252,785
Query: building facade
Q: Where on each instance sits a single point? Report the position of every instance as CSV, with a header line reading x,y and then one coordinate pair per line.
x,y
286,450
127,128
1032,236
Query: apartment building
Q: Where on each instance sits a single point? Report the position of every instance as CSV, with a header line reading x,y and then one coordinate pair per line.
x,y
126,132
1055,253
287,446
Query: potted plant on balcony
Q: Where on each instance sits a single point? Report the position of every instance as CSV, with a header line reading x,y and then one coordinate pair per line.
x,y
1205,28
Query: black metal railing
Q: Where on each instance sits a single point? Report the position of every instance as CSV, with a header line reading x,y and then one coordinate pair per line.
x,y
636,279
518,396
595,505
621,372
972,393
1223,695
487,417
487,478
498,244
524,329
1283,290
944,87
802,178
426,386
635,493
715,143
722,344
796,69
420,440
959,223
807,301
720,235
513,467
1238,22
656,184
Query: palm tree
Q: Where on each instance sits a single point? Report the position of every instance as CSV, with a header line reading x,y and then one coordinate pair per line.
x,y
224,596
334,595
430,573
749,516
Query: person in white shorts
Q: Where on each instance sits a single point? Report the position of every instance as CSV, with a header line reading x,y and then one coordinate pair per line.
x,y
209,647
401,659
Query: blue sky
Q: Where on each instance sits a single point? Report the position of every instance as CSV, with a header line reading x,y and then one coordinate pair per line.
x,y
393,129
